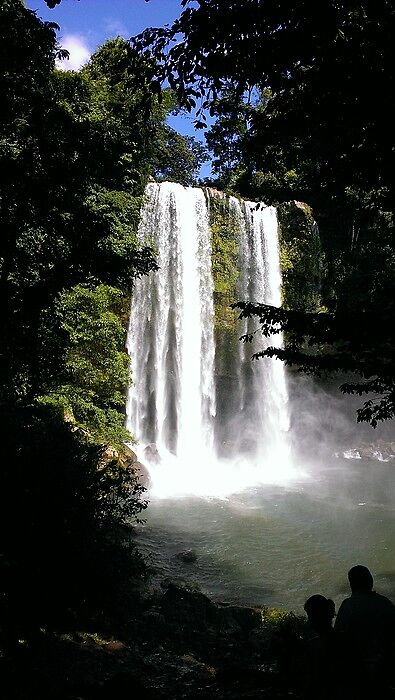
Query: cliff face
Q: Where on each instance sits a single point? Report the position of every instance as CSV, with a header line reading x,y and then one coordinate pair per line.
x,y
300,257
300,263
226,273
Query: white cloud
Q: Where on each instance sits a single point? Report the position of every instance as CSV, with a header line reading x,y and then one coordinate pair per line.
x,y
79,52
116,28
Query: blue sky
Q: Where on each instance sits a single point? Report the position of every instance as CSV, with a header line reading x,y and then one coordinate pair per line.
x,y
93,21
86,24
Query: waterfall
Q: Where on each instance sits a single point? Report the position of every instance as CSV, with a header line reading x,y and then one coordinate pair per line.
x,y
171,341
262,385
171,336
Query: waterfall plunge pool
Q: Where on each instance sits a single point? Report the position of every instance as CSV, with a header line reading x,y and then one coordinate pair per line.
x,y
286,532
278,544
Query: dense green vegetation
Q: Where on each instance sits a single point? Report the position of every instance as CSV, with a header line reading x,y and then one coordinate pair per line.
x,y
96,366
225,259
225,266
300,257
76,151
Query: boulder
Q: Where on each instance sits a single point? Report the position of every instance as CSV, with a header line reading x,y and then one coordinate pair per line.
x,y
151,454
380,451
194,667
188,608
153,621
127,456
109,454
142,474
188,556
247,619
366,451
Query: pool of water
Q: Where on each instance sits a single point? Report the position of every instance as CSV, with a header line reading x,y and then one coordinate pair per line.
x,y
277,545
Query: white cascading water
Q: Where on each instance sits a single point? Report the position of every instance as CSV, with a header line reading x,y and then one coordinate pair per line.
x,y
171,336
262,384
172,403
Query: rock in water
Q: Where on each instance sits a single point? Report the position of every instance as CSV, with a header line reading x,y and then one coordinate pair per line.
x,y
151,454
189,556
142,474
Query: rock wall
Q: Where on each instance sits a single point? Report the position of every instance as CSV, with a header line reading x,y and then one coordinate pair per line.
x,y
300,257
301,266
225,261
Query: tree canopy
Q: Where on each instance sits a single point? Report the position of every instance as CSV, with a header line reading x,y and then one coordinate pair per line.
x,y
76,151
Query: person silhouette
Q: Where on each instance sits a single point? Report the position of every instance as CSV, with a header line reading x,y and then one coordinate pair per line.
x,y
320,649
320,613
365,631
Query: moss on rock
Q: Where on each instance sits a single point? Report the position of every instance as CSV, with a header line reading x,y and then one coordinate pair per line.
x,y
226,271
225,259
300,260
300,257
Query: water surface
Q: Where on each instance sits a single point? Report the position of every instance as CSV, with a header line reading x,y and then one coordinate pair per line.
x,y
277,545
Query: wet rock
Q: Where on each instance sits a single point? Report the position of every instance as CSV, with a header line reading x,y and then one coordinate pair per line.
x,y
108,456
189,556
128,456
187,607
247,619
195,666
154,620
151,454
377,452
142,474
128,527
125,458
114,645
366,451
179,582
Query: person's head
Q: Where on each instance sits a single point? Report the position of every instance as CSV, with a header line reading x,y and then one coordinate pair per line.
x,y
320,612
360,578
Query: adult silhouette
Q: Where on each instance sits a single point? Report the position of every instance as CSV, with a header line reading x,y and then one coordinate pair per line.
x,y
365,630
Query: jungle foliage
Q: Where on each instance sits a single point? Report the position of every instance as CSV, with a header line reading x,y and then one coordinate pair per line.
x,y
76,151
226,272
225,259
62,557
301,259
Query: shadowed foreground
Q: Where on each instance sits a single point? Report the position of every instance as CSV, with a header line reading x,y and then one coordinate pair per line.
x,y
174,642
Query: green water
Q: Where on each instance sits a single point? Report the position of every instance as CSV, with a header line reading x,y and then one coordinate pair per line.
x,y
277,546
